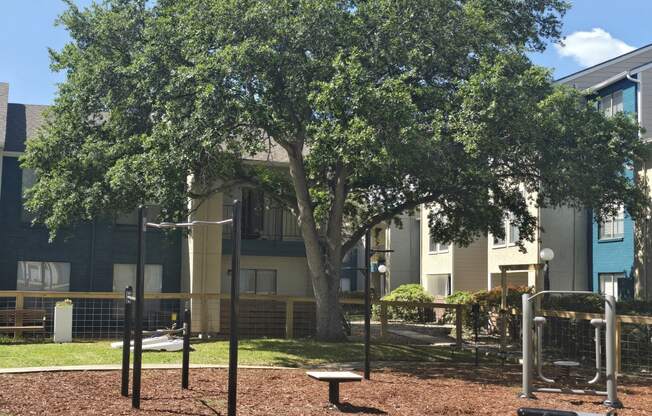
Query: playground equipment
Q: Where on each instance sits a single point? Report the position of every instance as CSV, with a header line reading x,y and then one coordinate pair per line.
x,y
529,324
525,411
157,343
139,298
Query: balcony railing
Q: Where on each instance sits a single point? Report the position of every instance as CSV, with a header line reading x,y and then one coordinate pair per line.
x,y
273,223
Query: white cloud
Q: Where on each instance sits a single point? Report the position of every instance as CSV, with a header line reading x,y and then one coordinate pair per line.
x,y
591,48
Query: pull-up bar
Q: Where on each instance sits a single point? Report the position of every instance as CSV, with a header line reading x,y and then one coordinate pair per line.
x,y
138,300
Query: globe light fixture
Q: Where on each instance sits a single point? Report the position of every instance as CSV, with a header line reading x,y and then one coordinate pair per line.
x,y
547,254
382,269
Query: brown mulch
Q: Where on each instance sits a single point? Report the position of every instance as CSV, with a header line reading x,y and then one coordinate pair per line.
x,y
431,390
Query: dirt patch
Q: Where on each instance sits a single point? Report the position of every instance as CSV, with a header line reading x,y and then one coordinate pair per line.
x,y
431,390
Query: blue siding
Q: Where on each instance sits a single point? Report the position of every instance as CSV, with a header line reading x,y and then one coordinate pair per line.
x,y
617,255
613,256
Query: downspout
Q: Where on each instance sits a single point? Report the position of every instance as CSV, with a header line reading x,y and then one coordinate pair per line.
x,y
639,116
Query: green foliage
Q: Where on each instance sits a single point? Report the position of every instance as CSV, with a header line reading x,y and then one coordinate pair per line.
x,y
492,298
361,98
157,91
406,293
595,304
461,297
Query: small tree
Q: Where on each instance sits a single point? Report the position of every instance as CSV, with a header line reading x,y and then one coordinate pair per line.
x,y
378,106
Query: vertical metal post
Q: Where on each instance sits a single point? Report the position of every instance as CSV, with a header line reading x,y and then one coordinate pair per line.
x,y
126,343
610,341
527,347
476,322
367,303
138,318
235,290
185,366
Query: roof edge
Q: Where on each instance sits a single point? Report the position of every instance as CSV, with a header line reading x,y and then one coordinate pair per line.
x,y
601,65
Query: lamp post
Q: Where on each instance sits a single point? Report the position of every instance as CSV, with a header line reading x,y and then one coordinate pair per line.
x,y
547,255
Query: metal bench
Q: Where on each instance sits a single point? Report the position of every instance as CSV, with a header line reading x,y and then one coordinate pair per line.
x,y
334,378
528,411
18,320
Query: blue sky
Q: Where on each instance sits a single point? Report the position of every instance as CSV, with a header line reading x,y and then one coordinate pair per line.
x,y
595,30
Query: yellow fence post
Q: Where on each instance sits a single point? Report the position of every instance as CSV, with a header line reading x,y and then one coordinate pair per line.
x,y
458,325
289,318
20,304
383,319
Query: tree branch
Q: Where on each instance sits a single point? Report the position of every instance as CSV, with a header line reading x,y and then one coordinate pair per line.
x,y
383,216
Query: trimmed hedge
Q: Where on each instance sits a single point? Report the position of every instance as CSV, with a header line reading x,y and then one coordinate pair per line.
x,y
413,292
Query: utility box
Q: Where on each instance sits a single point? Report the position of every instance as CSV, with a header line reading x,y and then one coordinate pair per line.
x,y
63,321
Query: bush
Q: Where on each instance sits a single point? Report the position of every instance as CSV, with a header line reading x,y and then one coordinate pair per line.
x,y
406,293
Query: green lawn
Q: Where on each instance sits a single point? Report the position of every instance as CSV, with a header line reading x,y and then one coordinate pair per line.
x,y
279,352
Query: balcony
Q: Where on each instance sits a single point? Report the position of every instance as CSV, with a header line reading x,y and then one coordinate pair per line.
x,y
264,223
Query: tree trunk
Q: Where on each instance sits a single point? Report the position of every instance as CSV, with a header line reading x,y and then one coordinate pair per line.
x,y
324,262
329,312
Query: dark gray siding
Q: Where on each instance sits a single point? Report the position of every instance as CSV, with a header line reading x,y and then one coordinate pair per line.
x,y
92,249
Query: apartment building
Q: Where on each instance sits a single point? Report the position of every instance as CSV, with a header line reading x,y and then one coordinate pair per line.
x,y
101,255
619,247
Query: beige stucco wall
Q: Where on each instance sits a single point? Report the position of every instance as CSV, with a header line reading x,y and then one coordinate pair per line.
x,y
470,266
404,262
432,263
510,254
292,275
202,264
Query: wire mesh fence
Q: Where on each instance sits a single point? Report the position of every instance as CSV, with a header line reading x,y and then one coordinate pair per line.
x,y
570,336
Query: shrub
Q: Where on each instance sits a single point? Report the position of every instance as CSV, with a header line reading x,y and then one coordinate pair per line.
x,y
406,293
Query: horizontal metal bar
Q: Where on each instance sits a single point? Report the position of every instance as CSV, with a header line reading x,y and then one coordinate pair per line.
x,y
163,331
564,292
187,224
570,391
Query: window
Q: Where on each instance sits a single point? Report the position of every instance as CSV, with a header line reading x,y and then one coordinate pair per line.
x,y
125,275
612,227
438,284
437,247
512,234
43,275
257,281
612,103
28,180
609,283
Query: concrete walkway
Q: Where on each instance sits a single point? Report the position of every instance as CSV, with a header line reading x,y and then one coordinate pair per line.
x,y
442,340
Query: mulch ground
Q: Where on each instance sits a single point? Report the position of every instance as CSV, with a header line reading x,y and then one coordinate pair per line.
x,y
429,390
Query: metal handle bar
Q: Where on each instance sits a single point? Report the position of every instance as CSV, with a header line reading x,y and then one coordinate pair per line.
x,y
187,224
565,292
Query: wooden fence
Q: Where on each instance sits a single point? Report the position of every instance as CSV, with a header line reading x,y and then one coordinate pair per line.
x,y
292,310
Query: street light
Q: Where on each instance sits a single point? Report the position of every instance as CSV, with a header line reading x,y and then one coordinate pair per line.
x,y
382,269
547,255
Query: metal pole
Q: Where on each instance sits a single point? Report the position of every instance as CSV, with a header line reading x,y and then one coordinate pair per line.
x,y
527,347
610,341
126,343
367,304
546,277
476,323
185,367
138,318
235,290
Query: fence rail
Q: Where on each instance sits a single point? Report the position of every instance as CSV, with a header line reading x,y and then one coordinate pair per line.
x,y
101,314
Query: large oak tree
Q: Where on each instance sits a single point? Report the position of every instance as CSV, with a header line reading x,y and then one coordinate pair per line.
x,y
378,105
